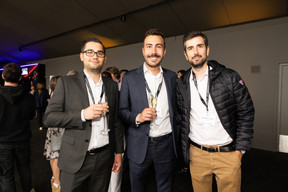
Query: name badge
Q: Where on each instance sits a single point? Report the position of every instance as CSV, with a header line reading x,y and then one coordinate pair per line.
x,y
207,120
159,112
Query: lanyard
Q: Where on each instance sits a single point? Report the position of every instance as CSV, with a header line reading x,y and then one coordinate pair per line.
x,y
149,90
207,91
90,90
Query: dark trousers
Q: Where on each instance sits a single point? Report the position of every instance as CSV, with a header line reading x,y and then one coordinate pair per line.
x,y
40,113
9,154
160,154
94,175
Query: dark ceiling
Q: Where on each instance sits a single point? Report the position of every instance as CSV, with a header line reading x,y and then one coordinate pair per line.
x,y
40,29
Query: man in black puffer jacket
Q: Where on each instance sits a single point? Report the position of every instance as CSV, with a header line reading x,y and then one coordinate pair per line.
x,y
17,108
216,114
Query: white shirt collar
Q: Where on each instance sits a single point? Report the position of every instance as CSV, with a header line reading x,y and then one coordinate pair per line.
x,y
204,76
146,71
100,82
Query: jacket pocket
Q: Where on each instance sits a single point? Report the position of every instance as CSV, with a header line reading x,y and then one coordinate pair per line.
x,y
68,139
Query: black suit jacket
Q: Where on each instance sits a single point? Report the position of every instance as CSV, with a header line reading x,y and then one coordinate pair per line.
x,y
64,110
133,99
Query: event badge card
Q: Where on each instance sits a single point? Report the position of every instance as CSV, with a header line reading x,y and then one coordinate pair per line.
x,y
207,120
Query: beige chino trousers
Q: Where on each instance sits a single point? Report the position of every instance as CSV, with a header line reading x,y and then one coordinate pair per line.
x,y
225,165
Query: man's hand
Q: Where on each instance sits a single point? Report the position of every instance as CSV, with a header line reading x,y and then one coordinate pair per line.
x,y
117,162
147,115
95,111
239,154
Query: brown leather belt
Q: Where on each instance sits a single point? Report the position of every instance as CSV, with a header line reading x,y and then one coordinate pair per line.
x,y
225,148
98,150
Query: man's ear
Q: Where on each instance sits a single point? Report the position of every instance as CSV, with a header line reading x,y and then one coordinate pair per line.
x,y
81,56
105,59
3,77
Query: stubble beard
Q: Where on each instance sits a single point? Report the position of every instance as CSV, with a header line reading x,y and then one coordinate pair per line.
x,y
96,69
198,66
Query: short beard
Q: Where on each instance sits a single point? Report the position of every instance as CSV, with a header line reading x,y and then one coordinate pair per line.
x,y
198,66
96,70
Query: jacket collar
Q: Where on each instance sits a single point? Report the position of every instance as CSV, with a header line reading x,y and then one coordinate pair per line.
x,y
217,68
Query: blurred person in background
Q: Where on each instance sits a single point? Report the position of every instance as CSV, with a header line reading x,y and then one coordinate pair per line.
x,y
122,73
114,71
180,73
106,74
52,145
16,110
32,89
41,96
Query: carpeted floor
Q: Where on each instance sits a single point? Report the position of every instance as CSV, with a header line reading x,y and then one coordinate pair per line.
x,y
262,171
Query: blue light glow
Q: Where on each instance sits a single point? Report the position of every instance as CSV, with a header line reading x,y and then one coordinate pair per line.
x,y
26,65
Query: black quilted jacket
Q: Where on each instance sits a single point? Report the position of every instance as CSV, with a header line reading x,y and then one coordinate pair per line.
x,y
231,100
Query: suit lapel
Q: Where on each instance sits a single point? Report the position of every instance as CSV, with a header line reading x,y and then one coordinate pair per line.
x,y
168,85
140,86
83,89
169,93
109,95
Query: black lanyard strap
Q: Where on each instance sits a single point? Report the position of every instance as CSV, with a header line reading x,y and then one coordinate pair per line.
x,y
207,91
149,90
90,90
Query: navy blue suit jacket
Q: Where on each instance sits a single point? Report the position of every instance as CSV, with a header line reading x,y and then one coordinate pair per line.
x,y
133,99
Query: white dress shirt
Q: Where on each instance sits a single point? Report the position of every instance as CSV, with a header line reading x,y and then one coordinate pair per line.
x,y
161,124
97,139
205,127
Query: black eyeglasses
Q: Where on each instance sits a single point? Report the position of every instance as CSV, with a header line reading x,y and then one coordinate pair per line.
x,y
91,53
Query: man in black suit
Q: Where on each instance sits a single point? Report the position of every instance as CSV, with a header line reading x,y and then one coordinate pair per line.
x,y
147,104
93,132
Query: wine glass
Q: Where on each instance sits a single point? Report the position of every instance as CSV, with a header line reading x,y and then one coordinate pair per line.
x,y
152,102
105,129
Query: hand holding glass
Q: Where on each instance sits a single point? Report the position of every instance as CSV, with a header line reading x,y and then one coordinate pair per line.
x,y
104,103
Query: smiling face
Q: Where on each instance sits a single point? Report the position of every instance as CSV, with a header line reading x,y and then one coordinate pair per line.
x,y
94,63
196,52
153,50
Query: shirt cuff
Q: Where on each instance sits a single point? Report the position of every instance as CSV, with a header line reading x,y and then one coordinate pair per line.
x,y
82,116
137,122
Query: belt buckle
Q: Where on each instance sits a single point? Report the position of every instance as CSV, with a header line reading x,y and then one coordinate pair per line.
x,y
213,149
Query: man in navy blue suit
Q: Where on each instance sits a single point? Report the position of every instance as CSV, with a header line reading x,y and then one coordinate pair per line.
x,y
147,103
